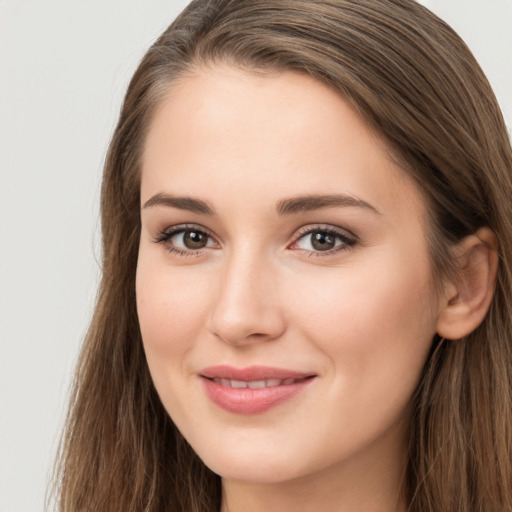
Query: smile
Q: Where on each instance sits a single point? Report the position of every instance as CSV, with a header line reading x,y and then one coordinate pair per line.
x,y
255,384
252,390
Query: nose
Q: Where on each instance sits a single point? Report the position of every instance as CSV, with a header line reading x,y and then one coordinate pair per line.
x,y
247,307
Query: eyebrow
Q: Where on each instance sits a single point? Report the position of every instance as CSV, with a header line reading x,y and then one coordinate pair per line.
x,y
289,206
316,202
182,203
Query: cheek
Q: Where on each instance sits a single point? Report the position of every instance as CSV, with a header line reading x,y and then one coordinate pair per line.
x,y
350,304
171,310
375,322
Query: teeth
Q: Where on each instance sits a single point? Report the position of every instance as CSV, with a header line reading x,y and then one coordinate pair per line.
x,y
253,384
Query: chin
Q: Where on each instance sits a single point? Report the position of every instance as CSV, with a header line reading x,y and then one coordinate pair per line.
x,y
254,471
253,463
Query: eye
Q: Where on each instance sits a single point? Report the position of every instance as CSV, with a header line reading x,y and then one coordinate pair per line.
x,y
187,240
323,240
190,239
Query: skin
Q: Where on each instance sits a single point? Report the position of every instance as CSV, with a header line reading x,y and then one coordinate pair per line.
x,y
361,317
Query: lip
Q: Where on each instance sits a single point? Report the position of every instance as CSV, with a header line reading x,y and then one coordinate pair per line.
x,y
252,400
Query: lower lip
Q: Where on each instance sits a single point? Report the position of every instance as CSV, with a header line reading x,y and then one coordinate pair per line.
x,y
251,401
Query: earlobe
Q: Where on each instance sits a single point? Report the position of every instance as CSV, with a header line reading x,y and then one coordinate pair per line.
x,y
467,299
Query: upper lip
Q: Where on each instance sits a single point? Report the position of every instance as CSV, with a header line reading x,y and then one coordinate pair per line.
x,y
251,373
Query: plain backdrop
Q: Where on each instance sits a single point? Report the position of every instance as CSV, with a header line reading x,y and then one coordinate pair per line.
x,y
64,66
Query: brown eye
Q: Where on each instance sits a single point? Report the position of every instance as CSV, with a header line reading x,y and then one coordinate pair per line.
x,y
186,240
193,239
322,241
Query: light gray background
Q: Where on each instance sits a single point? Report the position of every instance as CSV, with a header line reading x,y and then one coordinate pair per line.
x,y
64,66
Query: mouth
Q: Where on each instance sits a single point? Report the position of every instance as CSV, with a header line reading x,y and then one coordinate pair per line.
x,y
257,384
252,390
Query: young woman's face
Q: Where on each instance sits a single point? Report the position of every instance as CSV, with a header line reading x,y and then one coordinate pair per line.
x,y
284,289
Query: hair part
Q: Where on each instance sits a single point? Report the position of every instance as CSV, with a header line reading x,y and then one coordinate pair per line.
x,y
417,85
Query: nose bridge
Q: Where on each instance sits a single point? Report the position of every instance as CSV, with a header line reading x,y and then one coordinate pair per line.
x,y
246,308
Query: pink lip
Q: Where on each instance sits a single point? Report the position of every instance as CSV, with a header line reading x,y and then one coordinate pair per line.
x,y
251,400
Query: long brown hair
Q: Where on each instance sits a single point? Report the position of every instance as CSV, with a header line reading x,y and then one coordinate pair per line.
x,y
416,83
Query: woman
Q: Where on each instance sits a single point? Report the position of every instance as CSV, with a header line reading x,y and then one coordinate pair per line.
x,y
303,208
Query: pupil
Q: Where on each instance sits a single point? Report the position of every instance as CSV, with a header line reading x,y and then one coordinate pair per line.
x,y
322,241
194,239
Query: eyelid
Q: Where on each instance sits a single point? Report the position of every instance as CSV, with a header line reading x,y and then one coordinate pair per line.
x,y
348,238
165,235
172,230
308,228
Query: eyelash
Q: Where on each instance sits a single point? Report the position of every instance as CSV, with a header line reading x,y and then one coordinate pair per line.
x,y
165,236
346,241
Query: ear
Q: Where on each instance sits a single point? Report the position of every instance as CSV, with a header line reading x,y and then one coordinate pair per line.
x,y
467,299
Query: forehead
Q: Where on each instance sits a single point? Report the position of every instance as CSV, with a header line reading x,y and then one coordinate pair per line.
x,y
221,129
